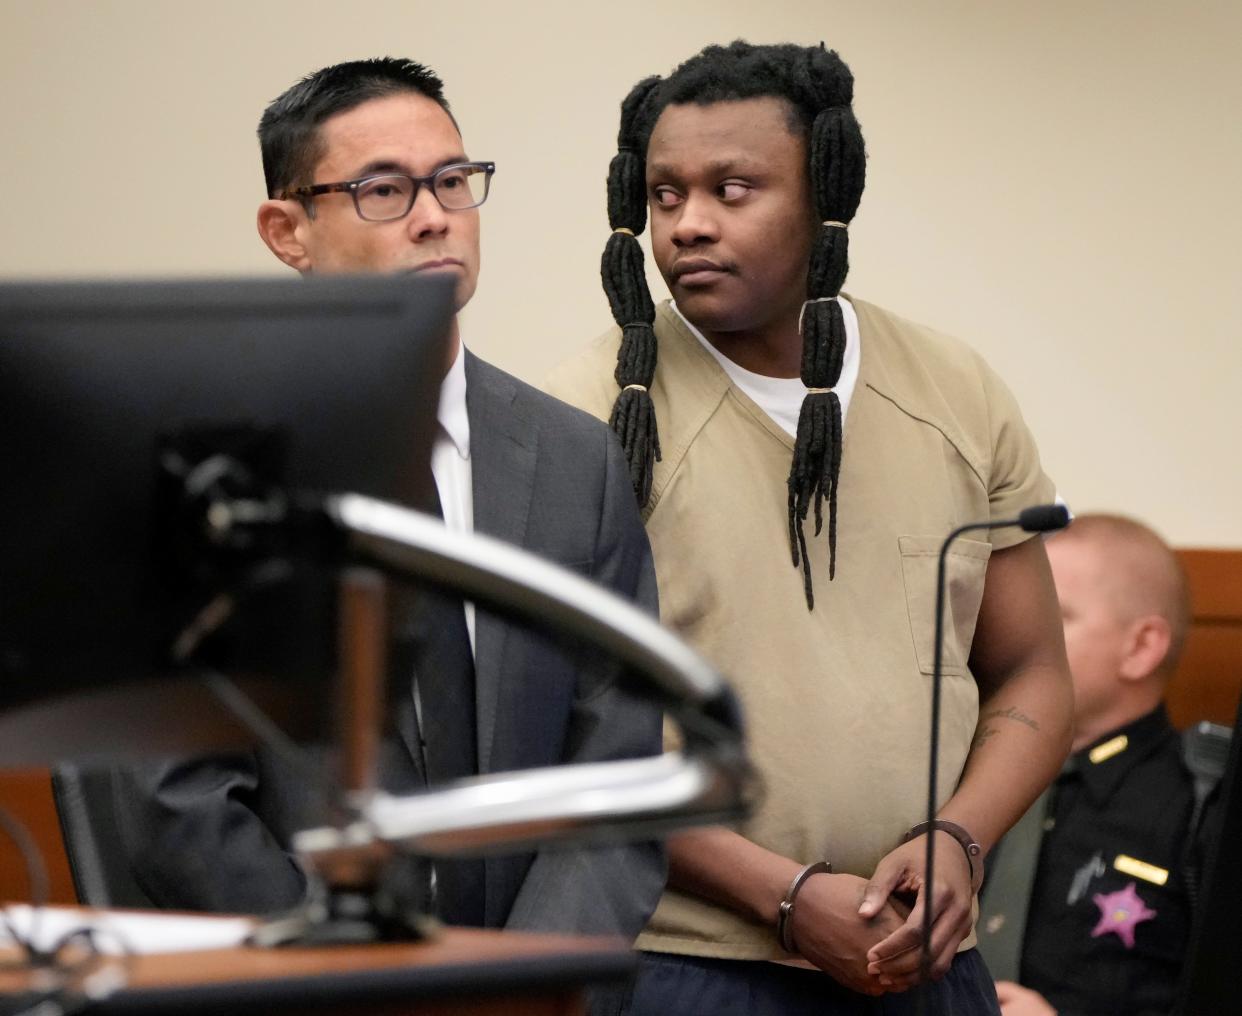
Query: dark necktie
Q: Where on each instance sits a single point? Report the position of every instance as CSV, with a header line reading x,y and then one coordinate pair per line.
x,y
444,672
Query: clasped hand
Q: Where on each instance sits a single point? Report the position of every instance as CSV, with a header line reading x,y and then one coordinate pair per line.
x,y
895,961
830,931
868,935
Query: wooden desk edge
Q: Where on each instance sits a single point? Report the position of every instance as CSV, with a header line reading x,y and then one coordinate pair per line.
x,y
461,961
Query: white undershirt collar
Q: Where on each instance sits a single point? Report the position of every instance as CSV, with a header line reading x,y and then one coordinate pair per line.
x,y
781,397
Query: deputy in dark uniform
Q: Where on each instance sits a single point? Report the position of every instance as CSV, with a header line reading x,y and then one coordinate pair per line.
x,y
1090,898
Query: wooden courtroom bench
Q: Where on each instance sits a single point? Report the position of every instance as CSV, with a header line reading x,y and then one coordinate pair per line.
x,y
1209,677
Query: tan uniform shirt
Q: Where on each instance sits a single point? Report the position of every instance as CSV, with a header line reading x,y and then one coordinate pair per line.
x,y
837,700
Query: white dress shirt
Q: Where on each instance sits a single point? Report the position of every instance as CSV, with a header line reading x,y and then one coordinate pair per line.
x,y
450,459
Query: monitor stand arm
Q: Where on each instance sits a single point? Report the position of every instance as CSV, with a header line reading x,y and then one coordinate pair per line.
x,y
708,781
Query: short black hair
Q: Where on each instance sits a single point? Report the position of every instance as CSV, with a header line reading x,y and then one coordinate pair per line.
x,y
819,89
289,128
810,78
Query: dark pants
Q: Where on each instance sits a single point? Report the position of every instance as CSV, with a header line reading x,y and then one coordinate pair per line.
x,y
688,986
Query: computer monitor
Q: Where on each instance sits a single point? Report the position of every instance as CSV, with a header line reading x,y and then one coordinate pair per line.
x,y
317,385
1210,981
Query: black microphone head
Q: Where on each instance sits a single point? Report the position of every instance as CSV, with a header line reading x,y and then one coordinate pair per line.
x,y
1044,518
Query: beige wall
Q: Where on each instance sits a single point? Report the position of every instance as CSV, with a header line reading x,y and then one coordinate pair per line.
x,y
1056,182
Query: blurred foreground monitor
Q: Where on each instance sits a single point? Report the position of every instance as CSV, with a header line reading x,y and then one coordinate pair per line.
x,y
117,402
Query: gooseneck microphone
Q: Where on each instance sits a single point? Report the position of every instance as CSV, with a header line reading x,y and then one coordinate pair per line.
x,y
1041,518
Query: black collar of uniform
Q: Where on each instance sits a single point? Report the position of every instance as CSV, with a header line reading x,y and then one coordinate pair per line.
x,y
1143,737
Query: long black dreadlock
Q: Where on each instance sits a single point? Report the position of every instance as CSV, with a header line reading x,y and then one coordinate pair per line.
x,y
820,88
633,415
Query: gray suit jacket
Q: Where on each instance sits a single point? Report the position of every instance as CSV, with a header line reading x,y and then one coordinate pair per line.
x,y
211,834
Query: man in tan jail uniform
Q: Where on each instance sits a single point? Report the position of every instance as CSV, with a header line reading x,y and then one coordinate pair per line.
x,y
836,697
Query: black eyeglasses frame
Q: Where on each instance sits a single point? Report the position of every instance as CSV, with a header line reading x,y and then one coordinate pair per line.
x,y
350,187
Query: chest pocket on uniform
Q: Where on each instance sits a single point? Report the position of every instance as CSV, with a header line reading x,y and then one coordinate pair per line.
x,y
965,570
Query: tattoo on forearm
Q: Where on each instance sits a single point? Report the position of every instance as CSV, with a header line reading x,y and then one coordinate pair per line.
x,y
1012,713
984,735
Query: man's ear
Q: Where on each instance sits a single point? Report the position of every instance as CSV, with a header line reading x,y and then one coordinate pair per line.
x,y
281,224
1147,645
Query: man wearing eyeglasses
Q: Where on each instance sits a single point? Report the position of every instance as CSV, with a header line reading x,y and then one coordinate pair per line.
x,y
366,171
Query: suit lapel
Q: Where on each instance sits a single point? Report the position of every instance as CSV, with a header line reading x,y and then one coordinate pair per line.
x,y
503,447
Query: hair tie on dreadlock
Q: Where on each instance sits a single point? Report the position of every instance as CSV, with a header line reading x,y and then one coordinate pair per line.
x,y
833,222
636,388
625,230
819,391
807,303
